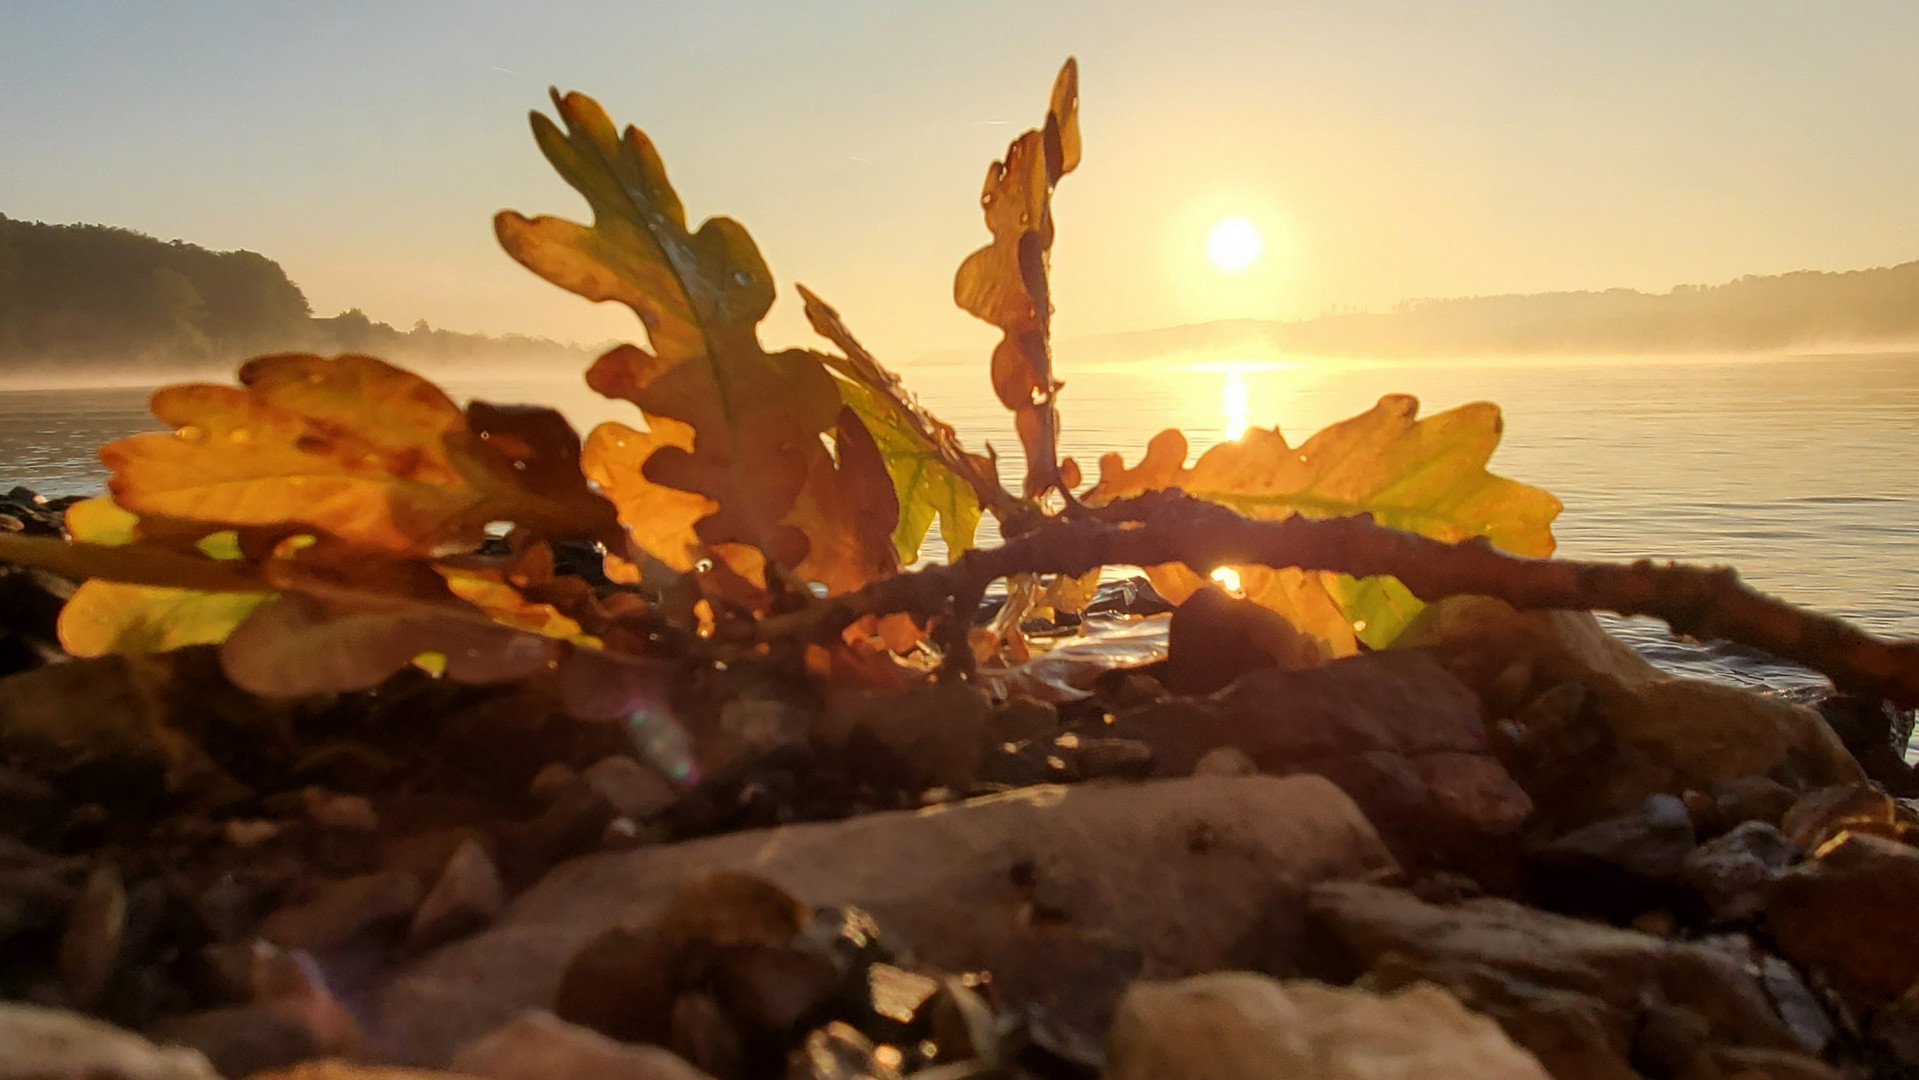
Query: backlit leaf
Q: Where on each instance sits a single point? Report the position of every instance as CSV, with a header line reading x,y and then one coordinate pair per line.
x,y
933,477
750,423
298,645
1006,284
353,447
115,617
1425,476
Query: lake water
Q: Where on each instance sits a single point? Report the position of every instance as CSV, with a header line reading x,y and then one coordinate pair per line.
x,y
1803,472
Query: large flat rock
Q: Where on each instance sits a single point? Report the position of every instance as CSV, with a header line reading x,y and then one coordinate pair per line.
x,y
1074,891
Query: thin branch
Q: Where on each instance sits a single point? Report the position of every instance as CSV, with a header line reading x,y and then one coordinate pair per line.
x,y
1171,527
134,564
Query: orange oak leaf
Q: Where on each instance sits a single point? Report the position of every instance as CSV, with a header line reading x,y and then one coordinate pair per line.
x,y
355,448
1006,284
737,426
1425,476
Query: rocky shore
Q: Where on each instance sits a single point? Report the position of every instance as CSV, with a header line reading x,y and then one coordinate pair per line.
x,y
1509,848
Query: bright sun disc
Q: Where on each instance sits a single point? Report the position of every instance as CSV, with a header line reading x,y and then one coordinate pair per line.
x,y
1234,245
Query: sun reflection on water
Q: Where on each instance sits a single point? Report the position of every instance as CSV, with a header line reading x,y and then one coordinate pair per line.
x,y
1234,404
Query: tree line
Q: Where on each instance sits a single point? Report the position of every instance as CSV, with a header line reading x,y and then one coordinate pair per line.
x,y
98,298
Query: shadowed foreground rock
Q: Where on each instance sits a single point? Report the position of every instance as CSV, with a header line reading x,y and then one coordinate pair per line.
x,y
1591,1001
1065,895
47,1044
1395,730
1242,1026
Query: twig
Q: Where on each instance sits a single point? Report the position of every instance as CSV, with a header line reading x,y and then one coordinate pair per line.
x,y
1169,527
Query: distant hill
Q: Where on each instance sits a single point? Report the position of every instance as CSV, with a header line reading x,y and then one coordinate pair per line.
x,y
1804,311
97,299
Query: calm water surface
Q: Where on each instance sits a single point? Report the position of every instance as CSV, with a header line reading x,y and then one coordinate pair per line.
x,y
1801,471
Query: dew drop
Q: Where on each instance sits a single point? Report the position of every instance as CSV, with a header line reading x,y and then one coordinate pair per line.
x,y
704,566
240,436
192,433
742,278
1359,626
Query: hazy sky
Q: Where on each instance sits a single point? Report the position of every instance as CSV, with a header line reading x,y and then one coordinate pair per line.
x,y
1387,150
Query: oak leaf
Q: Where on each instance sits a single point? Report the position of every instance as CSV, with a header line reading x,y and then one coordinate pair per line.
x,y
355,448
119,617
1424,476
933,476
750,424
1006,284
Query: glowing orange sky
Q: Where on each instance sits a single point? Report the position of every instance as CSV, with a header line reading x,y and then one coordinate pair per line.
x,y
1386,150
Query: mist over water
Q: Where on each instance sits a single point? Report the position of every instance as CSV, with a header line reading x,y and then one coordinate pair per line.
x,y
1803,472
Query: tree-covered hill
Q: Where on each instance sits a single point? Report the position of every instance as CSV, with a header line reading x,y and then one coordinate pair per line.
x,y
98,299
1805,311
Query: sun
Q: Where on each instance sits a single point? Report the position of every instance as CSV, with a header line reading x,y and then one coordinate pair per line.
x,y
1234,245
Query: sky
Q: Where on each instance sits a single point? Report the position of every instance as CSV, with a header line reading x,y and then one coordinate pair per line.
x,y
1383,151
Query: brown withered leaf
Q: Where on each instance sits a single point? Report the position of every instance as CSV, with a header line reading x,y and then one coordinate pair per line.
x,y
849,510
352,447
1006,283
1425,476
755,419
933,475
297,645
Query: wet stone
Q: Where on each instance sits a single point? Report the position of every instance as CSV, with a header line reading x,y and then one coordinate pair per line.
x,y
242,1040
632,789
1729,875
1620,865
343,910
91,947
1845,915
467,896
1124,758
540,1046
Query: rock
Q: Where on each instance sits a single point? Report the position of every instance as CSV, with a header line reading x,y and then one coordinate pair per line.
x,y
540,1046
726,975
573,824
1596,729
553,778
1574,993
1620,866
1241,1026
1861,809
343,910
937,730
346,1070
631,788
1225,761
331,810
1394,730
1020,718
467,896
48,1044
1895,1030
1215,638
243,1039
1845,916
90,948
99,728
1753,1063
1102,758
839,1051
423,855
1069,892
1877,733
1730,875
345,765
1751,798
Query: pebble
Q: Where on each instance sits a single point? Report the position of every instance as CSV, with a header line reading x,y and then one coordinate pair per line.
x,y
343,910
468,896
